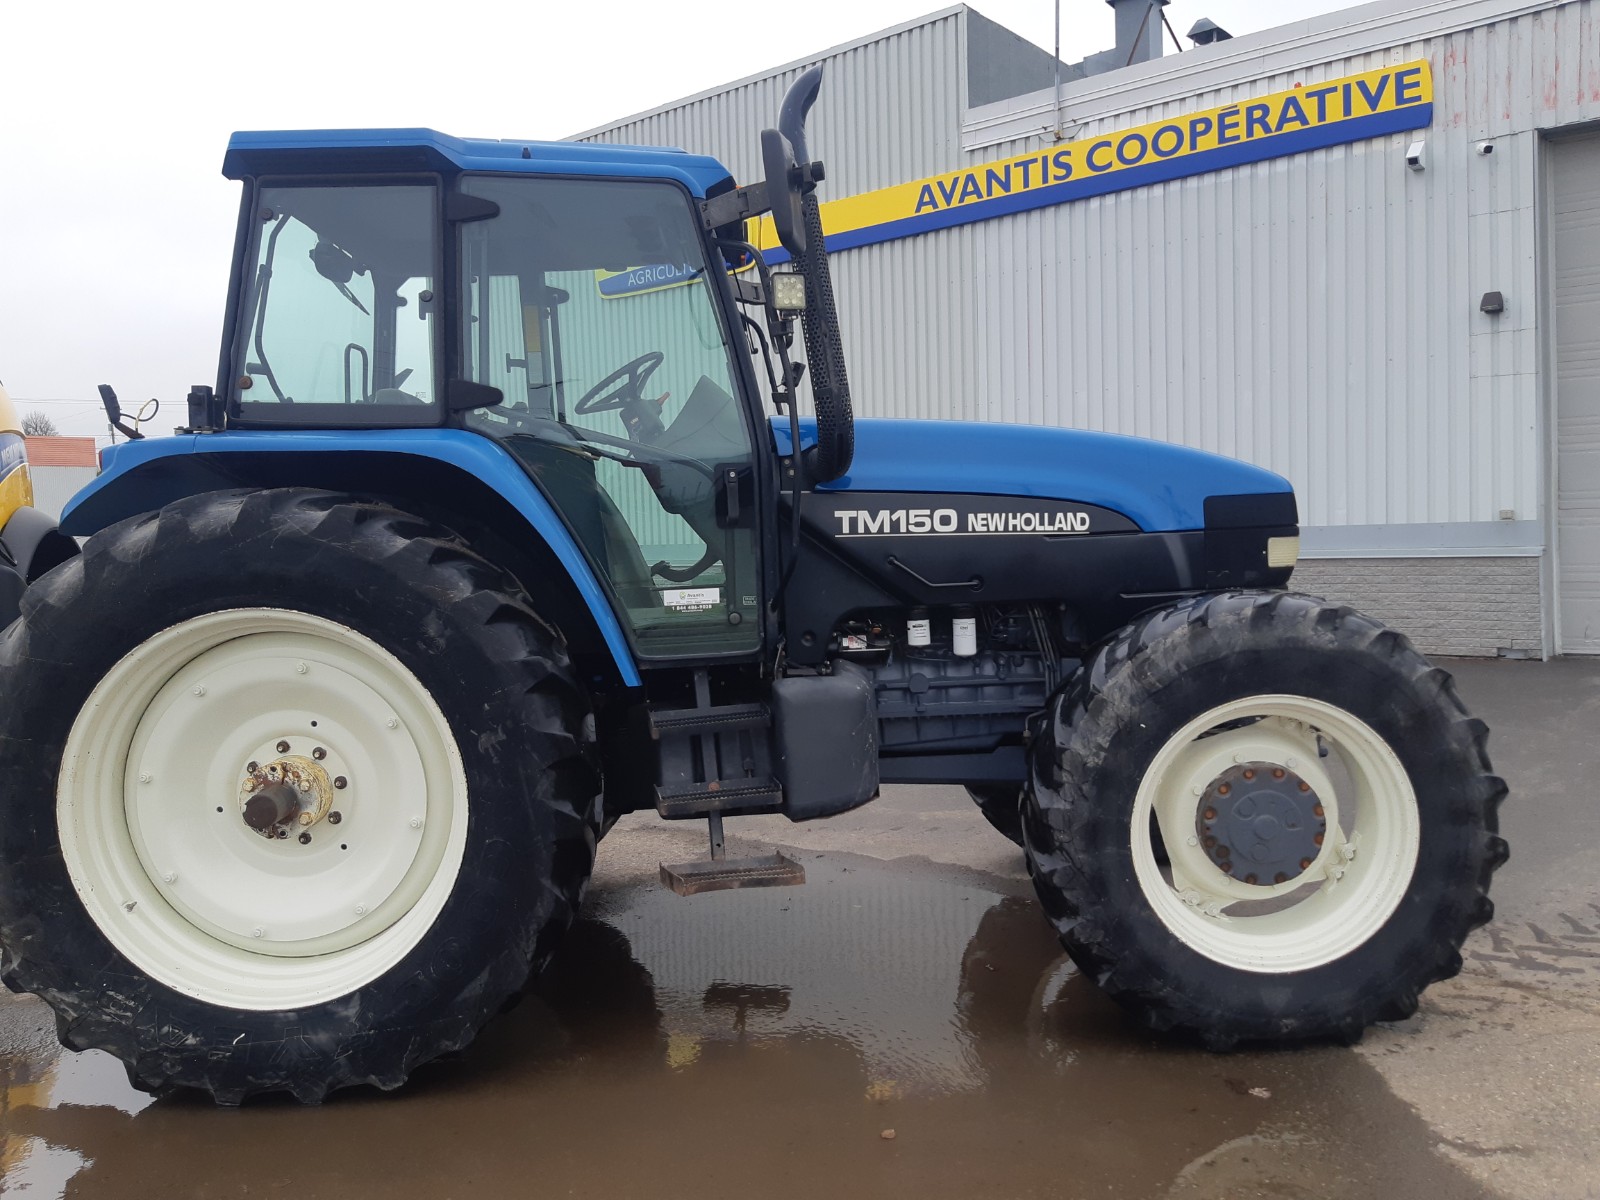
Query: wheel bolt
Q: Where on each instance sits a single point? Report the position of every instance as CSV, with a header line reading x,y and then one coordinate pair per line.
x,y
340,782
1209,842
252,767
1304,786
1278,772
1224,789
1280,877
1210,814
1305,864
1318,839
1316,810
283,747
1226,866
319,754
1249,878
305,839
335,817
1249,774
306,818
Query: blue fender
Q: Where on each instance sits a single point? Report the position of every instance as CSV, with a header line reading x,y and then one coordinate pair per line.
x,y
89,511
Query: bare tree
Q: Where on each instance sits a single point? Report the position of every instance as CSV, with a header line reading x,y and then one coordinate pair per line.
x,y
38,424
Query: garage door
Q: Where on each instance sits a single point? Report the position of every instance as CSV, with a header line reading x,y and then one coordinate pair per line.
x,y
1575,226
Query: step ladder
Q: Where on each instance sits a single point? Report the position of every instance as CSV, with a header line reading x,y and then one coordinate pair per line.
x,y
719,761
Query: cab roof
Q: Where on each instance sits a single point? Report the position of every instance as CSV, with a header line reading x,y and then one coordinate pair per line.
x,y
359,151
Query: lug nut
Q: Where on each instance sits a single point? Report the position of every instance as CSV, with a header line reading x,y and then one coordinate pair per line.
x,y
1249,878
1210,814
1226,866
283,747
1209,842
340,782
1249,774
306,818
1305,864
319,754
335,817
1278,772
1316,810
252,767
1280,877
305,839
1224,789
1305,787
1318,839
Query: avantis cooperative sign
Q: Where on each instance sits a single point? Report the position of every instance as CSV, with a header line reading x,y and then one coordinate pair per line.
x,y
1388,100
1308,117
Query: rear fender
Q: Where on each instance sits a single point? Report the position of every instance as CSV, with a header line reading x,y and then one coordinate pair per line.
x,y
460,479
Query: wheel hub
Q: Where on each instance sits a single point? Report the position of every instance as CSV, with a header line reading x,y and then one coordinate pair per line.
x,y
289,794
1261,823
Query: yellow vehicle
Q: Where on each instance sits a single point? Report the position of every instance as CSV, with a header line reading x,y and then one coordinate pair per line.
x,y
30,544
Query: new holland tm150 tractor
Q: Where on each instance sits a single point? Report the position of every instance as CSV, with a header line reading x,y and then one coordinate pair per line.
x,y
486,535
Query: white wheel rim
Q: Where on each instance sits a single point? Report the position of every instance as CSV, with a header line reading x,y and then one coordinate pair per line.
x,y
1354,882
201,901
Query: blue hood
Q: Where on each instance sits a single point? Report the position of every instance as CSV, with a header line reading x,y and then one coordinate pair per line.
x,y
1159,486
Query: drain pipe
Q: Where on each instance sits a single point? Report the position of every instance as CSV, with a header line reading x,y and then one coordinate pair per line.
x,y
1058,71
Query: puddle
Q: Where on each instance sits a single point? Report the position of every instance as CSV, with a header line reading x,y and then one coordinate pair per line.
x,y
761,1043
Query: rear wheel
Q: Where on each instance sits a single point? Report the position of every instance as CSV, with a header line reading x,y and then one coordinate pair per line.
x,y
297,797
1324,798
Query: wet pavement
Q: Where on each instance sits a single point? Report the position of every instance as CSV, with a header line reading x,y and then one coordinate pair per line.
x,y
763,1043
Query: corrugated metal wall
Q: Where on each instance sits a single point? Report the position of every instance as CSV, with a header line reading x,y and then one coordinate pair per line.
x,y
1317,314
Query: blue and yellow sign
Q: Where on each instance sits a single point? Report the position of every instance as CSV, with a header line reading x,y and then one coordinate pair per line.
x,y
1388,100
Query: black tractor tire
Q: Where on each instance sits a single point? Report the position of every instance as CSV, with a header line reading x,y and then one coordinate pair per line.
x,y
499,677
1169,668
1001,806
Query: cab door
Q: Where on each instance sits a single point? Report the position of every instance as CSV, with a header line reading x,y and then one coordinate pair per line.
x,y
589,305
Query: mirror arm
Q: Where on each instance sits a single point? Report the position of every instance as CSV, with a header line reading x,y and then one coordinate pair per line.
x,y
734,206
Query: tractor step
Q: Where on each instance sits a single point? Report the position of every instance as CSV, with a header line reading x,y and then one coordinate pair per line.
x,y
721,874
723,718
719,796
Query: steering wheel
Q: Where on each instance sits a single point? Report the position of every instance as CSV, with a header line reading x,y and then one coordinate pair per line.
x,y
623,385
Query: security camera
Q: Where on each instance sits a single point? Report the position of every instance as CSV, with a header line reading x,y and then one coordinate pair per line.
x,y
1485,148
1416,155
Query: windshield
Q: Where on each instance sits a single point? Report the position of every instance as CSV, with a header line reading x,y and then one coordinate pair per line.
x,y
587,303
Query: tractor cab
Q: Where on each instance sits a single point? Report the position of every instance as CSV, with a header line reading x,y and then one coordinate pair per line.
x,y
580,322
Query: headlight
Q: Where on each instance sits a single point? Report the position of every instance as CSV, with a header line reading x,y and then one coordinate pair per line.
x,y
1283,551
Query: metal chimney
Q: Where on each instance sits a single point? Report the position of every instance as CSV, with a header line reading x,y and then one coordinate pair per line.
x,y
1138,30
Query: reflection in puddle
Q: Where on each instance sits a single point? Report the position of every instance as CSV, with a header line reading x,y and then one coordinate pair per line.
x,y
763,1042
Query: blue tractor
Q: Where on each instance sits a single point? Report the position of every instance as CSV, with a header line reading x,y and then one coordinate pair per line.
x,y
486,534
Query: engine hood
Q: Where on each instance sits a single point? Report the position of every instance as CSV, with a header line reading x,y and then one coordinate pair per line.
x,y
1157,485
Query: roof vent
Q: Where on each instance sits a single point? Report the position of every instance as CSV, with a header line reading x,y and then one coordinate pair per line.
x,y
1206,31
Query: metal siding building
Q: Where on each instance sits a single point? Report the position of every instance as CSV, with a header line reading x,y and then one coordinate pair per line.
x,y
1317,313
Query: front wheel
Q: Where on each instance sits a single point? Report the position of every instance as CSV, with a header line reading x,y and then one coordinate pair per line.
x,y
1324,799
296,794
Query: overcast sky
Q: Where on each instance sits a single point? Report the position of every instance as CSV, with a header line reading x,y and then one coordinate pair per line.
x,y
115,225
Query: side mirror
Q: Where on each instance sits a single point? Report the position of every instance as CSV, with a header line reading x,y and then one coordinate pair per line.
x,y
784,191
